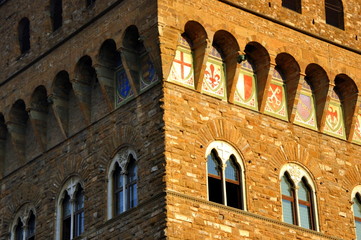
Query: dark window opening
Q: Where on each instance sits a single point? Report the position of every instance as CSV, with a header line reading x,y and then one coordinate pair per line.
x,y
90,3
31,227
24,35
215,189
294,5
118,190
19,231
334,13
56,13
66,218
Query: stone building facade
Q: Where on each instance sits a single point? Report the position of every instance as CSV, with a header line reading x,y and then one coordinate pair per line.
x,y
168,119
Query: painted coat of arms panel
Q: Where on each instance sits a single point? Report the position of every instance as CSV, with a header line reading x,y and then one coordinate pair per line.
x,y
245,94
334,118
214,82
123,90
306,113
276,97
182,66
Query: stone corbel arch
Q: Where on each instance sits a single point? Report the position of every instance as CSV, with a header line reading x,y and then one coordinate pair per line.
x,y
293,152
223,130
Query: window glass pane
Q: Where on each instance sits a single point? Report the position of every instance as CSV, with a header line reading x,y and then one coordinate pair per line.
x,y
232,170
132,183
66,206
133,198
358,229
303,192
118,190
288,211
305,216
79,203
357,207
286,186
213,165
132,171
79,223
119,203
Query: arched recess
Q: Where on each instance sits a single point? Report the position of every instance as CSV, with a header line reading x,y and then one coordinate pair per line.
x,y
65,105
112,76
17,124
312,98
3,137
341,107
24,35
38,112
256,67
283,87
137,62
197,35
228,46
87,89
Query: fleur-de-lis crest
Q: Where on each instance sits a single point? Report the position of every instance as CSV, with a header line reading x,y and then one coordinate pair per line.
x,y
212,78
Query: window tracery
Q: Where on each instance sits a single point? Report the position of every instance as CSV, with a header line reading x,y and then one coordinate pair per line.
x,y
122,182
298,197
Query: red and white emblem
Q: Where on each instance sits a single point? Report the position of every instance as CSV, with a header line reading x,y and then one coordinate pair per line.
x,y
244,86
274,98
213,76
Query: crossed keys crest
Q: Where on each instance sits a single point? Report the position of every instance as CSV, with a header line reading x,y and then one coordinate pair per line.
x,y
274,96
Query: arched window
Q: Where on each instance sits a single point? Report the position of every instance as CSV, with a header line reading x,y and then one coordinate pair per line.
x,y
294,5
122,184
298,197
334,13
70,211
56,13
225,175
356,199
24,226
24,35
